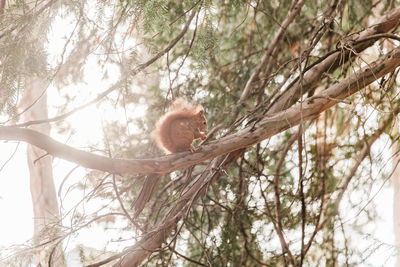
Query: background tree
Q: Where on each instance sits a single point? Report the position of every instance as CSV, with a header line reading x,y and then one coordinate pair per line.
x,y
24,67
300,96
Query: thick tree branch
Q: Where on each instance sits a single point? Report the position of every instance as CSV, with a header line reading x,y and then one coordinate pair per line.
x,y
263,129
350,48
153,240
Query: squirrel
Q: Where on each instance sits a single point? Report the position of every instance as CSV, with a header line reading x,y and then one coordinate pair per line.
x,y
176,130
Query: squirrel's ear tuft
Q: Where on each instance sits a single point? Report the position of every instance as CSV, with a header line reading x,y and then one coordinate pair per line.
x,y
200,109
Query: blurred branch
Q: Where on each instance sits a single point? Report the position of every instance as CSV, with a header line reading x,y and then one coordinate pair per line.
x,y
272,48
35,15
169,46
2,6
121,204
363,153
277,223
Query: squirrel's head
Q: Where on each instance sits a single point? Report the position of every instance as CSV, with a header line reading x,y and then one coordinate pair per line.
x,y
202,119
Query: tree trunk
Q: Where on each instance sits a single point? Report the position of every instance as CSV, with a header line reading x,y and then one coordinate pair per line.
x,y
44,198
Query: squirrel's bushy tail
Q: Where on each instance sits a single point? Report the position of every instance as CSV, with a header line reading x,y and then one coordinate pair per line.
x,y
161,136
180,108
181,104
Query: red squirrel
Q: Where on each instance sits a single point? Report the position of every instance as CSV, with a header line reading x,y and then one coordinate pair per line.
x,y
176,130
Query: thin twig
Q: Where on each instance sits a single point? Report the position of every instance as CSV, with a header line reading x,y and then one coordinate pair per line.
x,y
118,84
272,48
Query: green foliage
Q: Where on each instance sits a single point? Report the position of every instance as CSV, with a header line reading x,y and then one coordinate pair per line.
x,y
21,56
206,43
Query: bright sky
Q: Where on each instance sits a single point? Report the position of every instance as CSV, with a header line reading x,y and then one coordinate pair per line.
x,y
15,198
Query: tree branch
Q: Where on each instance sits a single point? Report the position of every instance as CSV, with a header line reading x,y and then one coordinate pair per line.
x,y
330,63
334,204
118,84
153,240
271,50
2,6
35,15
263,129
